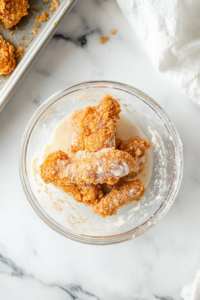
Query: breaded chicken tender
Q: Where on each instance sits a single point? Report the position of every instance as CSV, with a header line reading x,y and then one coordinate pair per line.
x,y
95,127
11,11
86,193
137,148
104,166
7,57
120,182
129,191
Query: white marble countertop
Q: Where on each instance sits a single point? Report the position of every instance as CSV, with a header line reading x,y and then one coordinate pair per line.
x,y
36,262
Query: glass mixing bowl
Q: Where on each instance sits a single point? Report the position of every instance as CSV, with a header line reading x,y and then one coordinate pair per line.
x,y
76,221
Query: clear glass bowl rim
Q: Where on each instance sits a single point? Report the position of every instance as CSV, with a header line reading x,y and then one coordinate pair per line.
x,y
161,211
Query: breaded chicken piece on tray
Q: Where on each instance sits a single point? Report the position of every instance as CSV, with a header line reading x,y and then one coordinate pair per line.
x,y
137,148
86,193
11,11
104,166
129,191
7,57
95,127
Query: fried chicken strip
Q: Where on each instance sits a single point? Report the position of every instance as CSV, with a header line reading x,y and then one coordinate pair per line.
x,y
129,191
137,148
86,193
11,11
95,127
7,57
104,166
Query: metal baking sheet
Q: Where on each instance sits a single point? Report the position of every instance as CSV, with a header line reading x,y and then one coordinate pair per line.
x,y
32,44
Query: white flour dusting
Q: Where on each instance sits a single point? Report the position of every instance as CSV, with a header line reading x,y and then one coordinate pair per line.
x,y
62,207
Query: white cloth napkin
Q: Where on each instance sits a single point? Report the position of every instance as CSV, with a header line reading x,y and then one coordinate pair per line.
x,y
170,33
192,290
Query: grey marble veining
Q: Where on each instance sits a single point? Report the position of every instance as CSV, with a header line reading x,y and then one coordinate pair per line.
x,y
72,291
36,262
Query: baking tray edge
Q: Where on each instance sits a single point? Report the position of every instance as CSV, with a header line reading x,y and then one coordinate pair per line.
x,y
28,60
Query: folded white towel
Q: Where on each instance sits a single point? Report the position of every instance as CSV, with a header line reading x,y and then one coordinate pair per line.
x,y
170,33
192,290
